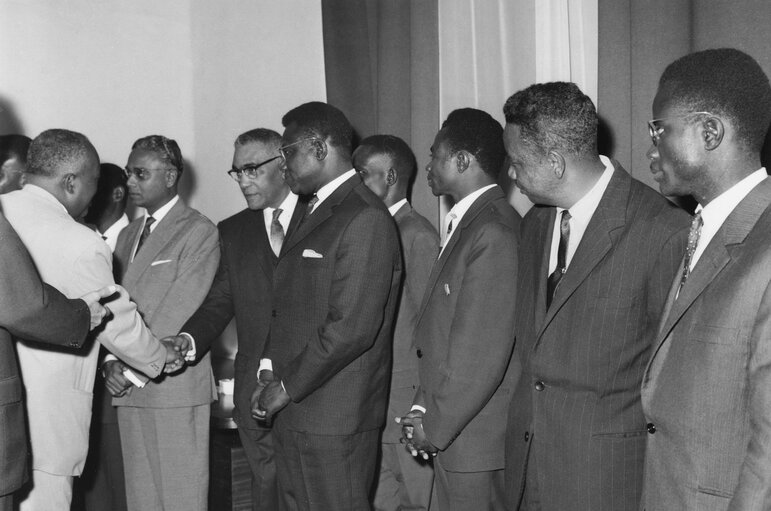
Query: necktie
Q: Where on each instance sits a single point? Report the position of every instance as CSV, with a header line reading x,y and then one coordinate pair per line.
x,y
562,251
450,219
309,209
145,233
276,232
693,241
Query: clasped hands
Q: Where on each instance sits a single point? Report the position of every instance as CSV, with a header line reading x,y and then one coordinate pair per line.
x,y
176,348
269,397
413,435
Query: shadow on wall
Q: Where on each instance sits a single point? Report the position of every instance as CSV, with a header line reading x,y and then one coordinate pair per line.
x,y
187,183
9,121
765,153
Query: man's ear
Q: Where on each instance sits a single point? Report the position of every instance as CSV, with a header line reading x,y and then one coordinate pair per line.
x,y
713,133
118,193
556,162
68,183
320,149
172,176
391,177
462,160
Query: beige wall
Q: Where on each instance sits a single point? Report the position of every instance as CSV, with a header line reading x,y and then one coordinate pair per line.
x,y
196,71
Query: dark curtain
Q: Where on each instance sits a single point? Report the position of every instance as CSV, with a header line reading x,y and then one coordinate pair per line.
x,y
382,69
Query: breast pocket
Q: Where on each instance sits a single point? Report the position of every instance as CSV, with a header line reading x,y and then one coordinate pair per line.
x,y
163,269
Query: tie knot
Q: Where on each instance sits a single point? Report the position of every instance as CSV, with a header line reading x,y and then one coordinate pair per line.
x,y
277,213
566,216
149,221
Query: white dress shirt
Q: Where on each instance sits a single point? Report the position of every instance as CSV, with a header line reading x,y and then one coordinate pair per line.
x,y
110,236
287,210
327,190
458,210
158,215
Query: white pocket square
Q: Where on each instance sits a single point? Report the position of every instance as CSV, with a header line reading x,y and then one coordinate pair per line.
x,y
312,254
156,263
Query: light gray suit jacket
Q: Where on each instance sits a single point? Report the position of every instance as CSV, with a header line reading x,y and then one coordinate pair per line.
x,y
168,279
707,390
59,384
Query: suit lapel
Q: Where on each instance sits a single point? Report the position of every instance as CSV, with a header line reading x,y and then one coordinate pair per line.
x,y
476,207
154,243
254,243
322,212
297,215
544,230
600,236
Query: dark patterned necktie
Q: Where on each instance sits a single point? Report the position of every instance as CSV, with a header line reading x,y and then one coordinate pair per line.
x,y
562,251
145,233
309,209
276,232
693,241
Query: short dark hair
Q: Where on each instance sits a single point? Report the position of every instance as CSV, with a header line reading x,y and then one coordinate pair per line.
x,y
166,149
478,133
14,146
554,116
111,177
726,82
395,148
259,135
322,120
56,148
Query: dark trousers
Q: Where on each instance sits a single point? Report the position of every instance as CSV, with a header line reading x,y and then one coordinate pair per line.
x,y
467,491
259,450
325,472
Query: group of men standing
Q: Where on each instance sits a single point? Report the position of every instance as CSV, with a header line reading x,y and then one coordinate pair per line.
x,y
597,354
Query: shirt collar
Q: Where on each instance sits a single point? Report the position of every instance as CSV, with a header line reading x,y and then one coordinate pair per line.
x,y
463,205
721,206
585,207
45,194
162,212
326,190
396,207
286,207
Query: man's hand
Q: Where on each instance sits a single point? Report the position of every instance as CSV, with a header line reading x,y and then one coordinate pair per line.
x,y
413,435
266,376
175,359
98,311
273,399
181,343
117,384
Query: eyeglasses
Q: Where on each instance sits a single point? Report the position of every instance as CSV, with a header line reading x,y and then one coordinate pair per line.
x,y
249,170
141,174
656,131
286,154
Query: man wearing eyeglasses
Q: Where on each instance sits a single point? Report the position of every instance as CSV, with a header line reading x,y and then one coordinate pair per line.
x,y
706,392
167,260
599,250
250,244
324,380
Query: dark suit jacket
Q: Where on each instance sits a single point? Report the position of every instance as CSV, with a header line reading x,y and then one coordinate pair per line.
x,y
578,398
35,311
707,388
420,247
242,288
465,335
337,283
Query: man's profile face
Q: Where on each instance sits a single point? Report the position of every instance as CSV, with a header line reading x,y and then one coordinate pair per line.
x,y
12,175
268,189
84,185
373,168
442,169
674,157
529,172
157,185
301,168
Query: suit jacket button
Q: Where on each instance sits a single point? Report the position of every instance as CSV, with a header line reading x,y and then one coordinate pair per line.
x,y
420,353
527,436
651,428
273,313
539,386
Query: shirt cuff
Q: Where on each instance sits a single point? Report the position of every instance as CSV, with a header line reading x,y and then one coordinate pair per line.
x,y
191,353
417,407
265,364
130,376
108,357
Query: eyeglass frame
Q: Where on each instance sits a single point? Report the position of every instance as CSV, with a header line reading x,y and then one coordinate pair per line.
x,y
250,170
282,149
655,131
141,173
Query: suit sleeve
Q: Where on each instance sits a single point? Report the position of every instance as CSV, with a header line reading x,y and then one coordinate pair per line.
x,y
364,267
419,258
216,311
753,491
481,336
30,309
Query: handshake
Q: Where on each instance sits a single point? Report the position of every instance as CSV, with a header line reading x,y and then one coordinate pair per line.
x,y
119,377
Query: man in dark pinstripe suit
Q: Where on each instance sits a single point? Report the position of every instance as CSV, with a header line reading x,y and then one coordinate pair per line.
x,y
598,253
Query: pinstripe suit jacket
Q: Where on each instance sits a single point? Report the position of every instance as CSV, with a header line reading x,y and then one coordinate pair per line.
x,y
34,311
585,429
707,388
337,282
168,280
242,288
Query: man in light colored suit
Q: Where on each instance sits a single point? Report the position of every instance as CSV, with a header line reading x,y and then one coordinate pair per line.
x,y
598,252
250,242
31,310
387,166
335,289
464,334
168,258
63,169
706,392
